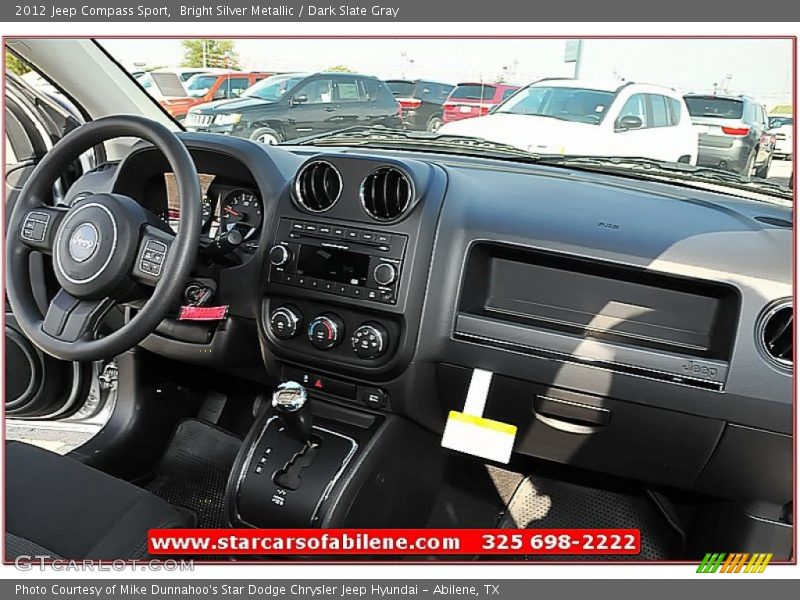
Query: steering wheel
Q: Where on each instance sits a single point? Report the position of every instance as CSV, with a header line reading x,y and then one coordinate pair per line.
x,y
106,249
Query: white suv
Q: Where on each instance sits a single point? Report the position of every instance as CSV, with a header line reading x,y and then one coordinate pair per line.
x,y
575,117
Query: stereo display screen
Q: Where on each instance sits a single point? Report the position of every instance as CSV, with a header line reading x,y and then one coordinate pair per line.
x,y
331,264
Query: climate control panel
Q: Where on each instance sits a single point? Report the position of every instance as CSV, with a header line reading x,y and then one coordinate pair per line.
x,y
370,340
317,331
325,331
285,321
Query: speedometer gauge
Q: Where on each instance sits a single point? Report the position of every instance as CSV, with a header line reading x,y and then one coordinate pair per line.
x,y
242,209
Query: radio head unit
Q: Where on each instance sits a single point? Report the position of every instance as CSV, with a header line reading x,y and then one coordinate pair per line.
x,y
344,261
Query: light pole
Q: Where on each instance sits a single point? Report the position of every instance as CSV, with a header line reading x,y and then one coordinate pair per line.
x,y
573,53
578,57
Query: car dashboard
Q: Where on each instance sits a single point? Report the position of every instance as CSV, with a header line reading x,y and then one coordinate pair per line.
x,y
633,328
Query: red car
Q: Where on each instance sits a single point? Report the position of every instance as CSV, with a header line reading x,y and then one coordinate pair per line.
x,y
469,100
202,88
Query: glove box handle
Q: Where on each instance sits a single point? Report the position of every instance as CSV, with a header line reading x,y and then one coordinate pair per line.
x,y
570,416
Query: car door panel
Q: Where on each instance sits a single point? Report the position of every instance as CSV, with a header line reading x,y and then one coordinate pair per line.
x,y
39,386
312,109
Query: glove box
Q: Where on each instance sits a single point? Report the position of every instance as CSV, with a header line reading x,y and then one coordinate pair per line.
x,y
592,432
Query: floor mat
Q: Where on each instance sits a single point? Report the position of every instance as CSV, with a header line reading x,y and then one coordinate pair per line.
x,y
539,502
194,470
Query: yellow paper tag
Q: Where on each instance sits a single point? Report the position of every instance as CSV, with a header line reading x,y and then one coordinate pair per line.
x,y
482,422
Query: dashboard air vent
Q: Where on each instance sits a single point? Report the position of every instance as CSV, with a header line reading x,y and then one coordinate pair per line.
x,y
775,331
318,186
386,193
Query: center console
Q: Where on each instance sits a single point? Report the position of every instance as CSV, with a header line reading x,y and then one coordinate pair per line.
x,y
336,263
343,286
345,277
306,463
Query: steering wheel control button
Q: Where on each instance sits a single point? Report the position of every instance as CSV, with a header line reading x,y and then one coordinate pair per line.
x,y
34,228
153,257
285,322
370,341
385,274
372,397
325,331
279,255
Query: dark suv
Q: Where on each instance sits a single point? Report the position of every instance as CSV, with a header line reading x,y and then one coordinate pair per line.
x,y
422,102
732,133
293,105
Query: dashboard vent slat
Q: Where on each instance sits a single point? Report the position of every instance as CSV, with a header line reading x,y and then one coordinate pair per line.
x,y
386,193
775,333
318,186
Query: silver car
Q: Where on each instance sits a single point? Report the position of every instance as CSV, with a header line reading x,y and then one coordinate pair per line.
x,y
732,133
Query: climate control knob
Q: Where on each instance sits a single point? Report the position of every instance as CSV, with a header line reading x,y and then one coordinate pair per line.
x,y
370,340
279,255
325,331
385,274
285,321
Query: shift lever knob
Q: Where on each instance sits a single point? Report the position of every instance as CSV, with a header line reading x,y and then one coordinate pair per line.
x,y
290,402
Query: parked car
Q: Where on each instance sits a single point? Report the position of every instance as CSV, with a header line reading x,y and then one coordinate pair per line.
x,y
422,102
730,131
293,105
207,87
469,100
576,117
783,128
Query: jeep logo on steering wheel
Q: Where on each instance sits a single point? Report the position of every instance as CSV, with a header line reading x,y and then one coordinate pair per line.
x,y
84,242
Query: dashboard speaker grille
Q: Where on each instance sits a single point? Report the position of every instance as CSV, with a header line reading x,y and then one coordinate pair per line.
x,y
775,333
318,186
386,193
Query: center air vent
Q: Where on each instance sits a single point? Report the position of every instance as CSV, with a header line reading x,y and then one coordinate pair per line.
x,y
775,333
386,193
318,186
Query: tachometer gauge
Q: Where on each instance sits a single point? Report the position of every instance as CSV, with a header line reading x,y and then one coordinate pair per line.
x,y
241,209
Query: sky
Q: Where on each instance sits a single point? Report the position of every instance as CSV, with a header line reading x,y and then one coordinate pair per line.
x,y
760,68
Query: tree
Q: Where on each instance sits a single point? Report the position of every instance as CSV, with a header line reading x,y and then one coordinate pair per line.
x,y
210,53
339,69
16,65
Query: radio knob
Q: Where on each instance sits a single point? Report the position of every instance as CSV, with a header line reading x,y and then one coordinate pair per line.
x,y
370,341
285,321
325,331
279,255
385,274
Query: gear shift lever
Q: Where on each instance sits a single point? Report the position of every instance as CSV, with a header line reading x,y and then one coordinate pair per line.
x,y
290,402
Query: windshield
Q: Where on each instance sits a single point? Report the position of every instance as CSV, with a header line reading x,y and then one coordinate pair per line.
x,y
568,103
473,91
681,101
272,89
720,108
198,85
